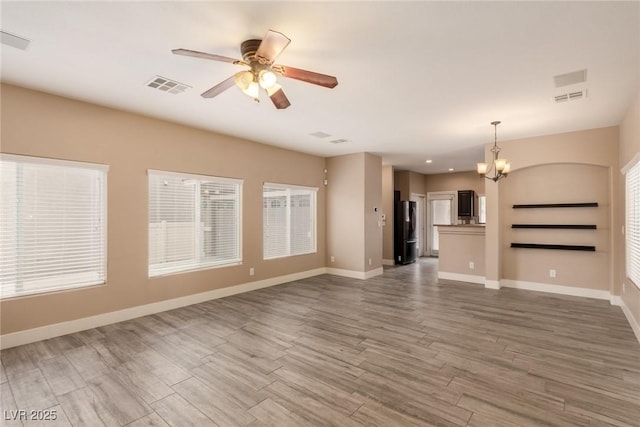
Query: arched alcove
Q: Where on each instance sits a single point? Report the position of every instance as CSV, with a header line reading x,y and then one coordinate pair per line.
x,y
553,184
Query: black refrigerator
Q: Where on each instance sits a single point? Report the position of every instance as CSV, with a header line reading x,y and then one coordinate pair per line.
x,y
405,246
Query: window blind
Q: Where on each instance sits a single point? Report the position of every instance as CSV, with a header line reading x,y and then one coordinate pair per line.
x,y
289,220
194,222
632,229
52,225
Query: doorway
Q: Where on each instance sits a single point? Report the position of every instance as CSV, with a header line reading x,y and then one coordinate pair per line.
x,y
441,211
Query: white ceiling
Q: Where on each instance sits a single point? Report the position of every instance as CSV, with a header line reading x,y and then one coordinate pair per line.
x,y
417,80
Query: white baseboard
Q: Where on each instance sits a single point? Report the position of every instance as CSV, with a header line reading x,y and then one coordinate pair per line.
x,y
50,331
362,275
461,277
556,289
635,326
57,329
373,273
388,262
492,284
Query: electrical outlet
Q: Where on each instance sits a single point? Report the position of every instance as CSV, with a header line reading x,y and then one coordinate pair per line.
x,y
333,259
552,273
252,271
472,265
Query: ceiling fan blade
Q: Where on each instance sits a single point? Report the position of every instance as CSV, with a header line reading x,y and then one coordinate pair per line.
x,y
279,99
307,76
211,56
219,88
272,45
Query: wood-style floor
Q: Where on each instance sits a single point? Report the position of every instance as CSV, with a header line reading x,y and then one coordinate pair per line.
x,y
396,350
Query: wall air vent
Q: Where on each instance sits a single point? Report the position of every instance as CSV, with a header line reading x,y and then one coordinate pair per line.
x,y
167,85
572,78
338,141
570,96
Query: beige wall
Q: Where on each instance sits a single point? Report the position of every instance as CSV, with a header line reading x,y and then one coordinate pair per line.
x,y
460,246
630,132
595,147
372,212
416,184
354,190
407,183
629,148
39,124
454,181
345,212
388,210
402,183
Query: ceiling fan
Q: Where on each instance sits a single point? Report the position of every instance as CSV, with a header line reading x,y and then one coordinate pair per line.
x,y
259,56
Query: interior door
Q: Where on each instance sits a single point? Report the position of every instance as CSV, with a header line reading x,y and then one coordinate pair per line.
x,y
441,212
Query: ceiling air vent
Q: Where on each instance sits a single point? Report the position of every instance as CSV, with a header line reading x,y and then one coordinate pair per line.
x,y
562,98
572,78
14,40
320,134
570,96
167,85
338,141
577,95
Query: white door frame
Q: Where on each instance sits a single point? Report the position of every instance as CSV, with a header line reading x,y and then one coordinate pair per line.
x,y
439,195
420,200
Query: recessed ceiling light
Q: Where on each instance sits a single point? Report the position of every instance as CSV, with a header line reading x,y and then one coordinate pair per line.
x,y
428,161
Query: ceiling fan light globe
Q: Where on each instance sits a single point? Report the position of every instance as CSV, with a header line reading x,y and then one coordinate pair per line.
x,y
252,90
244,79
267,79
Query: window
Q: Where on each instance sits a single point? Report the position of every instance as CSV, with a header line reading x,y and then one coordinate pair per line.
x,y
482,209
52,225
632,229
289,220
194,222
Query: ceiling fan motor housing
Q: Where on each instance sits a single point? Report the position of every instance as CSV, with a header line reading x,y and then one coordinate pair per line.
x,y
249,49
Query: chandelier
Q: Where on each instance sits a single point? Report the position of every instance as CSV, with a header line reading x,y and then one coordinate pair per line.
x,y
499,167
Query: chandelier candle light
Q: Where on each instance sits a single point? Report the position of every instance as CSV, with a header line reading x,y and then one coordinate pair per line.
x,y
500,167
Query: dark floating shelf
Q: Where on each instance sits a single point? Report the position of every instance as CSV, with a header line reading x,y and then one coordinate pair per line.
x,y
557,226
548,246
557,205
